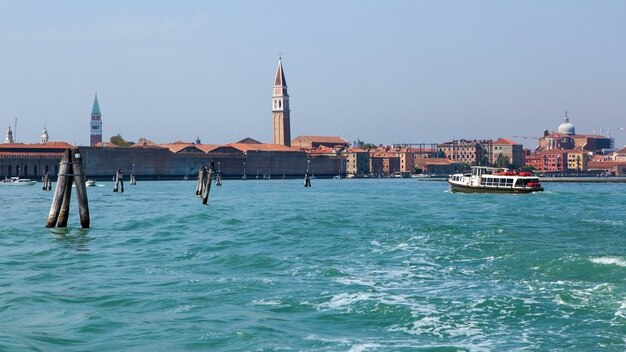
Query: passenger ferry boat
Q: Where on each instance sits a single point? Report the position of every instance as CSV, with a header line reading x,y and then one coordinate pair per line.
x,y
494,180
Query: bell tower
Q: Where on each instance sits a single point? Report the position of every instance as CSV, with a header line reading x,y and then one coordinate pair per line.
x,y
280,108
96,123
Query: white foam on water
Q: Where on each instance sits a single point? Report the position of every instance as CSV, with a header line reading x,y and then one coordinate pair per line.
x,y
185,308
266,302
355,281
363,347
621,311
609,261
343,300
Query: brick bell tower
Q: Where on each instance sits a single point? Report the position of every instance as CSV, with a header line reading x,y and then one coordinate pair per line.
x,y
96,123
280,108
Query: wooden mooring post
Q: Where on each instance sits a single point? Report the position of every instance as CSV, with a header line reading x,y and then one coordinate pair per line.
x,y
70,171
119,182
201,174
207,184
307,180
47,183
133,180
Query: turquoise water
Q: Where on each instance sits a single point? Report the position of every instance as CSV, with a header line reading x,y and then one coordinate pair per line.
x,y
346,265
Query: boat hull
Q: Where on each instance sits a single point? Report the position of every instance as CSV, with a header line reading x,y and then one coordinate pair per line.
x,y
482,189
12,184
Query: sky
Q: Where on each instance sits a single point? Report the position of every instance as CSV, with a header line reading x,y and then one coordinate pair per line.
x,y
384,72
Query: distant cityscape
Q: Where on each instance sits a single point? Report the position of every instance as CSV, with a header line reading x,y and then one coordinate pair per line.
x,y
557,152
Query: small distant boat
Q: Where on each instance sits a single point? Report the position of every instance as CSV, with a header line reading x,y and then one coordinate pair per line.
x,y
90,183
16,181
401,174
494,180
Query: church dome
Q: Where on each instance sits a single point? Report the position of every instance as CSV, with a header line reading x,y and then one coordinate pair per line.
x,y
566,127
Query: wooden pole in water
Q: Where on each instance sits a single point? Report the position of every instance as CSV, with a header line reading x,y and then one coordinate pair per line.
x,y
81,189
200,184
207,186
55,208
119,181
64,214
46,178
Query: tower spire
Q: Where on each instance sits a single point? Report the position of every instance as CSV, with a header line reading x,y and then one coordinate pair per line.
x,y
280,107
96,123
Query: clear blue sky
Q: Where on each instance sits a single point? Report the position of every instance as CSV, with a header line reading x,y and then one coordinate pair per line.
x,y
382,71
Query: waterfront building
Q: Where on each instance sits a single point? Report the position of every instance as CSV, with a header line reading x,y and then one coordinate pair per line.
x,y
357,162
553,160
31,160
437,166
474,152
96,123
620,155
280,108
384,163
577,160
313,142
566,138
508,149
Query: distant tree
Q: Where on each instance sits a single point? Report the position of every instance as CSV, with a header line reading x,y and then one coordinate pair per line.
x,y
120,141
527,168
369,146
502,161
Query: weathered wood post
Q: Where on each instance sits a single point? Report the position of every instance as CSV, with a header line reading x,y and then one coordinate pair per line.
x,y
64,214
55,208
133,180
199,186
307,180
119,181
81,189
45,180
218,179
207,187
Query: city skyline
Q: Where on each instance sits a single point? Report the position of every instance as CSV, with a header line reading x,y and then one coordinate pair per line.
x,y
401,72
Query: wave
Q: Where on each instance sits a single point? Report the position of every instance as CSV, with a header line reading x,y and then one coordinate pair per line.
x,y
609,261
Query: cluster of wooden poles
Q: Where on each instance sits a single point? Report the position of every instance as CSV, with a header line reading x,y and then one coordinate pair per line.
x,y
205,177
70,171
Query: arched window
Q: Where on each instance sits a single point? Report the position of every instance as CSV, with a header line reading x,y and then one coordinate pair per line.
x,y
25,170
35,170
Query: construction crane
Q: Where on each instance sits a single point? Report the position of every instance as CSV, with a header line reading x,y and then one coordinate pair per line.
x,y
526,138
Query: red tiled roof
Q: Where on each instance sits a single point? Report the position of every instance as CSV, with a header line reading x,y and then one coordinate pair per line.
x,y
249,140
434,161
245,147
178,146
48,145
322,139
145,143
504,141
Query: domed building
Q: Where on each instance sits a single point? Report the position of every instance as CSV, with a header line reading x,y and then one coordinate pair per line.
x,y
566,127
565,138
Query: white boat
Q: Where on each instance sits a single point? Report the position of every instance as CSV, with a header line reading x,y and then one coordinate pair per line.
x,y
494,180
16,181
90,183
